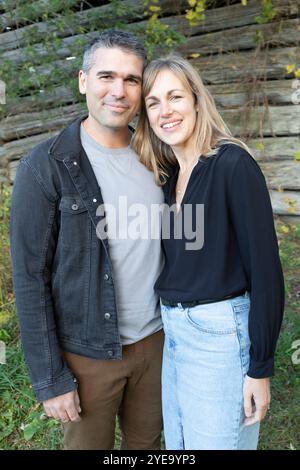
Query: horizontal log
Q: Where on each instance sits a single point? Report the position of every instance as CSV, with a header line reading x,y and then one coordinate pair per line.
x,y
236,95
12,169
280,33
36,10
232,16
274,148
231,95
283,175
24,125
270,121
242,67
13,39
229,17
44,100
18,148
246,66
286,202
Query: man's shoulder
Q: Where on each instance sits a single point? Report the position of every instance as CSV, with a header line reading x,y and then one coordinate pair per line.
x,y
39,153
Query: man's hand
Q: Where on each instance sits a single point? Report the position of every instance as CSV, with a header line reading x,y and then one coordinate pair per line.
x,y
64,407
257,398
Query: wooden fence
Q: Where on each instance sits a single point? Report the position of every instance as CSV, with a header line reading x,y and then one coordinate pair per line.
x,y
244,64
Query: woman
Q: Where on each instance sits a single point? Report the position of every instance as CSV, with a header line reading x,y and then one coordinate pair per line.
x,y
222,303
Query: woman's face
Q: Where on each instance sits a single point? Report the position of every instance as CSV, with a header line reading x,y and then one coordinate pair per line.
x,y
171,111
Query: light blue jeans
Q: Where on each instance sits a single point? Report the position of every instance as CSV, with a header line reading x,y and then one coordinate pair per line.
x,y
205,360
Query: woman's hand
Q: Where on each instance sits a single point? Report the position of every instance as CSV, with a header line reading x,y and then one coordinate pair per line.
x,y
257,397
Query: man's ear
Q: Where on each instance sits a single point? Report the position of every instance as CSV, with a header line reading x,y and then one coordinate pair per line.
x,y
82,82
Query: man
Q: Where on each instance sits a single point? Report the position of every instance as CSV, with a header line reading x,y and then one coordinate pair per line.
x,y
90,321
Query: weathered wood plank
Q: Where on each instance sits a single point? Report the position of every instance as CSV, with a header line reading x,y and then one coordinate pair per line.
x,y
246,66
282,175
271,121
228,16
13,39
236,95
12,169
24,125
18,148
232,16
278,148
231,95
16,17
280,33
49,98
285,202
225,68
275,148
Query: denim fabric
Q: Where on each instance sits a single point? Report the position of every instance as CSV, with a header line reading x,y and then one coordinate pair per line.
x,y
205,360
62,273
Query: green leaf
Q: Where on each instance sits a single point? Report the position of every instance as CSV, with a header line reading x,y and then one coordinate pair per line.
x,y
297,156
32,428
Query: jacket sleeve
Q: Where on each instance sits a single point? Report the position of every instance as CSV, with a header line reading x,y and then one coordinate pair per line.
x,y
33,242
252,217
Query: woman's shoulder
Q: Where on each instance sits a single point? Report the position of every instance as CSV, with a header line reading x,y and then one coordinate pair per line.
x,y
231,156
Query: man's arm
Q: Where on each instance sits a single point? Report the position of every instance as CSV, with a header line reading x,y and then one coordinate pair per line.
x,y
33,243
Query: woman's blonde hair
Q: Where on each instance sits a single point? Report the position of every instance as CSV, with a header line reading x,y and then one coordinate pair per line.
x,y
210,128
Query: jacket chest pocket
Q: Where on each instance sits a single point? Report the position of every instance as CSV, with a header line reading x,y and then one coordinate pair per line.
x,y
75,223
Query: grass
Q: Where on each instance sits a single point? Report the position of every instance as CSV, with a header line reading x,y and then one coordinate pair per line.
x,y
22,423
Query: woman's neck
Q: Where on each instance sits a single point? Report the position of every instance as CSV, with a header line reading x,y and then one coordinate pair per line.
x,y
186,158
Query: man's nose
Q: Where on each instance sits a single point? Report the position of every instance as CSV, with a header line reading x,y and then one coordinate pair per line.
x,y
118,89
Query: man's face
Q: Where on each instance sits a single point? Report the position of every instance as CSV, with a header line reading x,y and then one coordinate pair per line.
x,y
112,87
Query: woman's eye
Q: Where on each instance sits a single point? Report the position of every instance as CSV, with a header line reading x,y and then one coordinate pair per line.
x,y
176,97
151,105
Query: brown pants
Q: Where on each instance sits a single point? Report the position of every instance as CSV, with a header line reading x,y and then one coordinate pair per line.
x,y
129,388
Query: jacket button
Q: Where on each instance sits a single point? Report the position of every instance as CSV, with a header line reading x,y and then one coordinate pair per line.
x,y
106,277
74,207
107,316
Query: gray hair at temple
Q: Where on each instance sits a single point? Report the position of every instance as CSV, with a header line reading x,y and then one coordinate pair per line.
x,y
114,38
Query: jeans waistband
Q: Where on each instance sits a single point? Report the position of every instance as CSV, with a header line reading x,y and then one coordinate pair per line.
x,y
194,303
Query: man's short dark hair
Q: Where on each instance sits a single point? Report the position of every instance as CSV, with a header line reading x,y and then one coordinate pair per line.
x,y
114,38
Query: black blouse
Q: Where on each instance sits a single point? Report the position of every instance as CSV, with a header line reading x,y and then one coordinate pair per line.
x,y
240,249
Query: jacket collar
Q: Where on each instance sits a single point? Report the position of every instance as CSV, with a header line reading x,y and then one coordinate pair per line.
x,y
68,142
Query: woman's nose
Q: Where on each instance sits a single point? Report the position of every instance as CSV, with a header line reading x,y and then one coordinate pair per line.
x,y
165,109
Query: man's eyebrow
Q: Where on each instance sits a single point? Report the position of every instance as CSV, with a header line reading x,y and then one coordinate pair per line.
x,y
105,72
111,72
168,94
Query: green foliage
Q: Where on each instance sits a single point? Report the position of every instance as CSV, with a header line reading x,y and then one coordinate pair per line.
x,y
195,14
268,12
45,61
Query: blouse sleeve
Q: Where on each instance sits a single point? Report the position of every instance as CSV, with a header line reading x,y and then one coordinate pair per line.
x,y
252,218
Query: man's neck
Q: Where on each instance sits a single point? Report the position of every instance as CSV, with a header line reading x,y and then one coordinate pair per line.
x,y
107,137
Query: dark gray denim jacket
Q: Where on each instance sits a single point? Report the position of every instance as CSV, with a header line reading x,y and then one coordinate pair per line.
x,y
62,272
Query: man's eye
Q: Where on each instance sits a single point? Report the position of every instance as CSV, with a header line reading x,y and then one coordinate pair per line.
x,y
106,77
133,81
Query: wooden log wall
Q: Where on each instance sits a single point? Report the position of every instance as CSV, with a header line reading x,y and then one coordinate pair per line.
x,y
244,65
